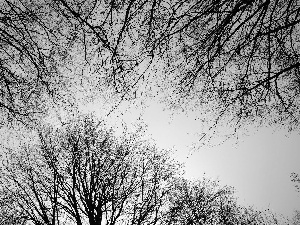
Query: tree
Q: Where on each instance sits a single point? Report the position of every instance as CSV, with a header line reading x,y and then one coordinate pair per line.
x,y
82,174
46,46
243,54
86,176
206,202
240,54
29,47
201,202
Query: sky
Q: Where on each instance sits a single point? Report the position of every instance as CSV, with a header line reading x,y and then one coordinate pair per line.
x,y
258,164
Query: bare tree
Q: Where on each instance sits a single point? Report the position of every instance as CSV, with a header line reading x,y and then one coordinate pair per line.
x,y
113,33
83,176
241,54
207,202
45,43
201,202
27,63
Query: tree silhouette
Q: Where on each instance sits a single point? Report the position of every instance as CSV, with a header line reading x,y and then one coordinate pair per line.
x,y
84,176
207,202
242,55
202,202
243,51
27,62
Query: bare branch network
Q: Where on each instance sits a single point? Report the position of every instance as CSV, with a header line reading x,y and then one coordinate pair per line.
x,y
81,174
242,54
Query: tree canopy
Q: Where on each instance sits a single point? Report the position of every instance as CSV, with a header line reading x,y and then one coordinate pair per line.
x,y
85,176
242,55
82,174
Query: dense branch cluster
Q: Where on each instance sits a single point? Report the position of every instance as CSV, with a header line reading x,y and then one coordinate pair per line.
x,y
85,177
246,52
241,54
30,49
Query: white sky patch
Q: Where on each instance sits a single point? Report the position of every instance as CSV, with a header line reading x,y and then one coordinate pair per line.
x,y
258,166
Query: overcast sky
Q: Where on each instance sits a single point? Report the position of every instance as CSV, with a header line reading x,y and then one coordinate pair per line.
x,y
258,165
